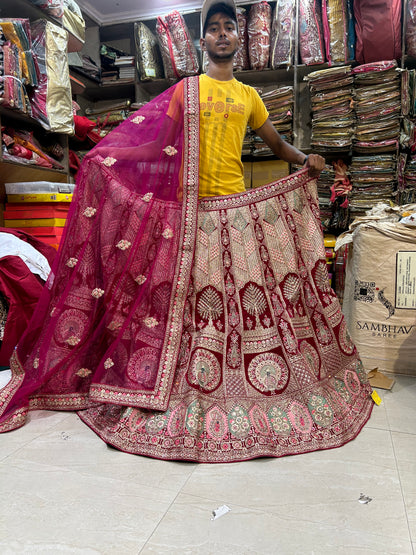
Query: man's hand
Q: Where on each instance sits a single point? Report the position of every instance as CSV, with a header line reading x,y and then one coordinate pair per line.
x,y
315,164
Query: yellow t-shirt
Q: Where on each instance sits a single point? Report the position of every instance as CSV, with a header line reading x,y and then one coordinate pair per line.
x,y
226,107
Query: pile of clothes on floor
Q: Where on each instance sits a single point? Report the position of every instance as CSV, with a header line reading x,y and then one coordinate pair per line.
x,y
24,268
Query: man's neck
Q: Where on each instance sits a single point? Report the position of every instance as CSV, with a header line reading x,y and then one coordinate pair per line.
x,y
220,71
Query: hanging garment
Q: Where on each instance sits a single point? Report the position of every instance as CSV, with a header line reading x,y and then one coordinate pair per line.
x,y
283,34
311,47
259,26
378,30
179,54
189,329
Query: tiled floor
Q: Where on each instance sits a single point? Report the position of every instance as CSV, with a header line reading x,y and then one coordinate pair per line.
x,y
62,490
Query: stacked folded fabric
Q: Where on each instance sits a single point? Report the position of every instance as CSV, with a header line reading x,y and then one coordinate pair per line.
x,y
376,140
377,107
374,180
17,65
324,183
39,208
408,195
331,92
279,104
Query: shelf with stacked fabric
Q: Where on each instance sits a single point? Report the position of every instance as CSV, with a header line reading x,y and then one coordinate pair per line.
x,y
27,9
36,113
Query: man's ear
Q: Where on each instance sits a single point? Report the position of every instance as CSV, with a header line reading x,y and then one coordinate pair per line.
x,y
202,44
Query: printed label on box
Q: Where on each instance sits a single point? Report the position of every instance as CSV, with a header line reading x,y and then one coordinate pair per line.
x,y
406,279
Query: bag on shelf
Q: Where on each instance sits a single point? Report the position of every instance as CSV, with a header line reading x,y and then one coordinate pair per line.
x,y
310,33
17,31
283,34
259,30
73,20
241,61
149,61
378,31
51,100
179,54
335,27
411,28
54,8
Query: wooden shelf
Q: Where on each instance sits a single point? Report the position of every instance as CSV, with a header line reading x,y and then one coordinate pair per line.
x,y
11,172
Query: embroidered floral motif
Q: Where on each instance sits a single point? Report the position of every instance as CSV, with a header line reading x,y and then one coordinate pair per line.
x,y
109,161
73,340
97,293
170,150
138,119
72,262
36,363
147,197
140,279
89,212
150,322
168,233
108,363
83,372
123,245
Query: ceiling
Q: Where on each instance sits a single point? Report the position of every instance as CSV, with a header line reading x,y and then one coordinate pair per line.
x,y
105,12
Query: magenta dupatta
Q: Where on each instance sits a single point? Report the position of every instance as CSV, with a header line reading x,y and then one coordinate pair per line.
x,y
108,323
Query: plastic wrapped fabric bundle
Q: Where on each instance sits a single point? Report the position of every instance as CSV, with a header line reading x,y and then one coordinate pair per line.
x,y
179,54
283,34
331,93
241,61
279,103
18,32
411,28
350,31
259,30
334,22
51,100
149,61
54,8
377,107
310,33
73,20
378,30
408,194
374,179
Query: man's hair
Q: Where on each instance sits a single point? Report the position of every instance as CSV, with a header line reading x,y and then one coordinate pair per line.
x,y
219,7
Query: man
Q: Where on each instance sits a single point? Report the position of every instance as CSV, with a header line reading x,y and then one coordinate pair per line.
x,y
228,105
186,318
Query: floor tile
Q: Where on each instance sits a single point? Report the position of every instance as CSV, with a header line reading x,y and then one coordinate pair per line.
x,y
72,444
400,405
39,422
45,506
405,451
187,528
321,488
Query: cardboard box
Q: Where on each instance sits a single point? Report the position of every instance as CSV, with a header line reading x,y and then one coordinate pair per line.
x,y
380,296
266,171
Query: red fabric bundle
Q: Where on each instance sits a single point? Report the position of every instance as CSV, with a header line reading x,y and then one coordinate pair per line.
x,y
178,51
259,30
378,30
241,60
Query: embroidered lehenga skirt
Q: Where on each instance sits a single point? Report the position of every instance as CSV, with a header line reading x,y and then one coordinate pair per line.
x,y
194,330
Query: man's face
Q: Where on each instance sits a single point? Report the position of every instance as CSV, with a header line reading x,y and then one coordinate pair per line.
x,y
221,37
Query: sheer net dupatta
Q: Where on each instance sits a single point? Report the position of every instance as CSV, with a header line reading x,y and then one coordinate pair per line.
x,y
108,324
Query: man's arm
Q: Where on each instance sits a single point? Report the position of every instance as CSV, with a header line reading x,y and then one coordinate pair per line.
x,y
287,152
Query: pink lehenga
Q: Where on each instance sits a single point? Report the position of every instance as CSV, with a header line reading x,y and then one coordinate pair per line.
x,y
188,329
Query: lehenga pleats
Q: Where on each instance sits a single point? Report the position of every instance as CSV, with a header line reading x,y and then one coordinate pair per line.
x,y
266,366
